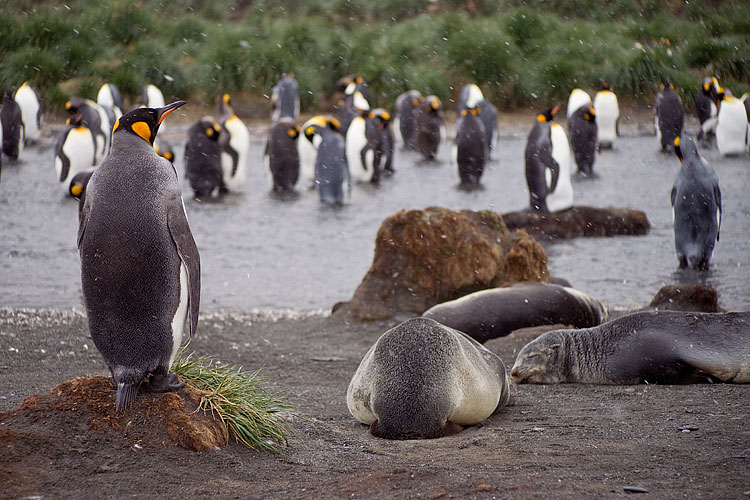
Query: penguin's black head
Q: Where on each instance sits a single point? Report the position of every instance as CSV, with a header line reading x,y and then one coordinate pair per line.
x,y
293,131
604,85
144,122
75,120
589,115
75,105
549,114
666,84
211,127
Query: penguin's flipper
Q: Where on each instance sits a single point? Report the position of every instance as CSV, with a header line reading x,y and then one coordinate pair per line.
x,y
717,199
549,162
673,195
179,229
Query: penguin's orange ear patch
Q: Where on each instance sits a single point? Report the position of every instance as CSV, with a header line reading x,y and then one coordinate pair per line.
x,y
68,105
677,142
169,156
541,118
463,112
210,132
143,131
76,190
292,132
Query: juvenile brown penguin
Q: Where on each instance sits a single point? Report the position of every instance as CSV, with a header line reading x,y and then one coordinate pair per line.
x,y
140,268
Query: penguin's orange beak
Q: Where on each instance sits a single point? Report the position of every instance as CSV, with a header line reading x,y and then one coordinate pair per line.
x,y
163,112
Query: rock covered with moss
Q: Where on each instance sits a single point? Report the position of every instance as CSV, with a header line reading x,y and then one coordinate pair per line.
x,y
425,257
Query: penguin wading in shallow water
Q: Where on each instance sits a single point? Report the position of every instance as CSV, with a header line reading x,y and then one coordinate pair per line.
x,y
349,110
30,101
12,127
281,155
471,147
577,98
696,207
548,165
359,155
731,124
669,115
428,122
331,171
583,134
74,152
234,142
705,108
140,268
308,149
472,97
403,124
203,158
380,138
607,116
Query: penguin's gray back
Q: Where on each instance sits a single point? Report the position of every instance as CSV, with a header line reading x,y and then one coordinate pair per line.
x,y
670,116
488,115
283,155
583,135
471,144
203,159
12,127
331,171
538,147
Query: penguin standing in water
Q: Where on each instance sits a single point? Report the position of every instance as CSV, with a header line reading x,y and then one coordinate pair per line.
x,y
203,158
96,119
705,107
470,147
362,158
406,105
234,142
12,126
140,267
331,171
308,149
349,109
583,134
30,101
577,98
74,152
607,116
472,97
380,139
548,165
696,207
428,122
731,124
285,98
282,155
109,97
669,115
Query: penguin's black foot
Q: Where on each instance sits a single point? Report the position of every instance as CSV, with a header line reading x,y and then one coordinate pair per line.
x,y
164,383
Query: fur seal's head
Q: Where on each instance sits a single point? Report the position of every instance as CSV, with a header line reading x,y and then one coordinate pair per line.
x,y
538,361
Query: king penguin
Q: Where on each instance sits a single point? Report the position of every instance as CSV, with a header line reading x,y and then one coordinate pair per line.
x,y
607,112
348,110
285,98
577,98
548,165
470,147
380,139
140,267
403,124
281,155
731,124
308,149
669,115
696,207
203,158
12,126
95,118
30,101
583,134
359,156
234,142
74,152
109,97
331,171
705,107
428,123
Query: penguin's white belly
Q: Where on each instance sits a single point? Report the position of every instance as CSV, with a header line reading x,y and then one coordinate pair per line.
x,y
562,197
269,174
356,140
577,99
607,112
658,130
731,129
308,153
27,101
181,315
240,142
79,148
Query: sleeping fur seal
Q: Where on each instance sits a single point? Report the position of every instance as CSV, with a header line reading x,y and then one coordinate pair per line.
x,y
666,347
423,380
496,312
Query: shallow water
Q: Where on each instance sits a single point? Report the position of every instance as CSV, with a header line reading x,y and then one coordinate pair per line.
x,y
258,251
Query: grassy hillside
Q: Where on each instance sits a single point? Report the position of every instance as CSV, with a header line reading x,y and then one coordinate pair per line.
x,y
521,55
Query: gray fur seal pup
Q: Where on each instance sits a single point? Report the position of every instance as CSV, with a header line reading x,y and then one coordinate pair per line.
x,y
696,207
423,380
488,314
666,347
140,267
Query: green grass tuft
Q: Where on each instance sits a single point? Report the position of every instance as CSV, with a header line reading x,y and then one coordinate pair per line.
x,y
248,412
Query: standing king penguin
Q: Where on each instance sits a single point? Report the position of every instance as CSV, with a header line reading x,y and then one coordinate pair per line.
x,y
696,207
234,142
140,268
406,105
12,127
359,155
74,152
607,116
30,101
577,98
669,115
705,107
281,155
583,138
471,147
203,158
731,124
428,122
331,170
285,98
548,165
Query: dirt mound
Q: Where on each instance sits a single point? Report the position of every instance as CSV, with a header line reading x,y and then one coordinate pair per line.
x,y
425,257
688,297
579,221
85,408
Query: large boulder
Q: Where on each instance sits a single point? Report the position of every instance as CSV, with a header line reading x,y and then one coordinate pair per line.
x,y
425,257
579,221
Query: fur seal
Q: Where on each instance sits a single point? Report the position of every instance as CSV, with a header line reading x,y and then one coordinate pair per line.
x,y
488,314
666,347
423,380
